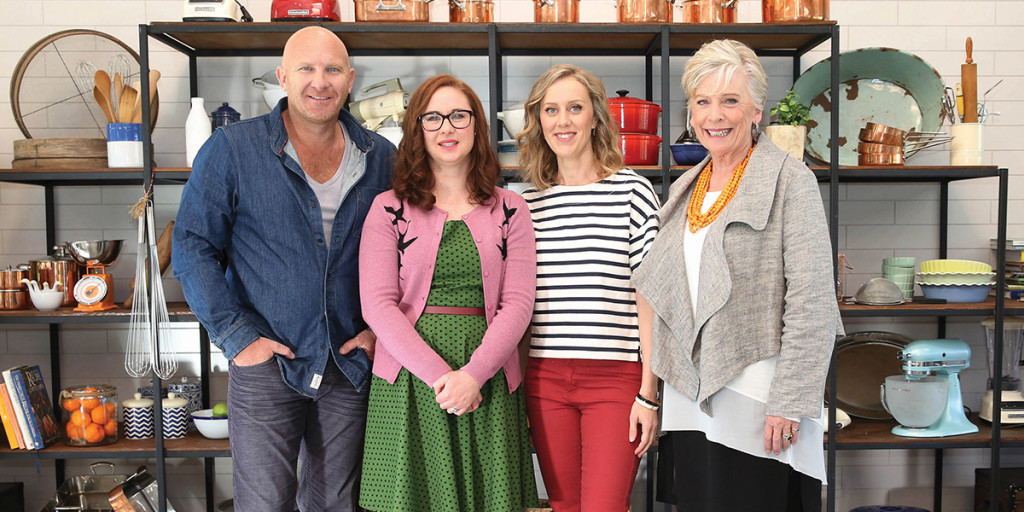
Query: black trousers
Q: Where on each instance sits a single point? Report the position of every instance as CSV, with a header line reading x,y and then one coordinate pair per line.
x,y
698,475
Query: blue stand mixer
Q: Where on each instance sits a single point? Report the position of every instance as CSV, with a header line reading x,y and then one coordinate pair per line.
x,y
945,358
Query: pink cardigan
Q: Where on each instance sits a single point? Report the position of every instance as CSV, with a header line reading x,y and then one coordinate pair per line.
x,y
396,265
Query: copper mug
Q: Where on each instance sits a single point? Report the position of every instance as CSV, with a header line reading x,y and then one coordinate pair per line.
x,y
794,10
708,11
556,11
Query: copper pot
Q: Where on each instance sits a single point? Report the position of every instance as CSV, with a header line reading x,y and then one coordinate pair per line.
x,y
10,279
875,132
556,11
470,11
794,10
880,159
708,11
644,11
875,147
51,269
13,299
393,10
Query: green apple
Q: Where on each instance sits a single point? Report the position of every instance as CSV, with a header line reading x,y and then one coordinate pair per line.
x,y
220,410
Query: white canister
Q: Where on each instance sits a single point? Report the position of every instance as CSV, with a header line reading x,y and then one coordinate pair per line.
x,y
138,417
197,130
175,415
968,144
124,145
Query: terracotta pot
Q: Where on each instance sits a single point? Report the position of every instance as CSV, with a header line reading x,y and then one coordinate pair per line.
x,y
644,11
470,11
634,115
794,10
556,11
708,11
392,10
639,148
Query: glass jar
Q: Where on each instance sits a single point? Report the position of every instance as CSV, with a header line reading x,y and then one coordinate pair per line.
x,y
89,414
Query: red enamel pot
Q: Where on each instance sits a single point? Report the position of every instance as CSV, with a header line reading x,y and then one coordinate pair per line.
x,y
639,148
634,115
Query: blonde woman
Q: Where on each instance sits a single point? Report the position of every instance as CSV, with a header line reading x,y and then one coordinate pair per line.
x,y
590,394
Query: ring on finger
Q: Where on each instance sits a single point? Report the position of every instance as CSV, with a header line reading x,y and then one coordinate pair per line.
x,y
796,429
787,436
453,410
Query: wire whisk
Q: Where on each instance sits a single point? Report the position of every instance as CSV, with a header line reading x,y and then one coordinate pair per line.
x,y
165,361
138,360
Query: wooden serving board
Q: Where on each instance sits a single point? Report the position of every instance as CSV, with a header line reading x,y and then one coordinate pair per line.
x,y
60,164
60,148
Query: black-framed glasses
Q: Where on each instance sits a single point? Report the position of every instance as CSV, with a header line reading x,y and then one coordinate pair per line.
x,y
432,121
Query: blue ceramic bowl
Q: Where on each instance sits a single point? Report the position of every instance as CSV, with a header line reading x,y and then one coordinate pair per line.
x,y
688,153
956,292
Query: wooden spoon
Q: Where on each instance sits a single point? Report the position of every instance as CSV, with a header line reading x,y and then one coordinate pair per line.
x,y
126,107
116,93
104,103
137,107
103,84
154,76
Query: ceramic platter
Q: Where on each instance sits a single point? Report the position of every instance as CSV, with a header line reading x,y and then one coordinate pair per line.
x,y
863,361
880,85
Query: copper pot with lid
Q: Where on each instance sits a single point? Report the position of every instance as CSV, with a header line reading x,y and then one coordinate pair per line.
x,y
392,10
644,11
470,11
794,10
708,11
556,11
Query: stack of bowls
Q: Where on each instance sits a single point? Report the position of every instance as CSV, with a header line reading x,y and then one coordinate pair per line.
x,y
900,271
956,280
880,145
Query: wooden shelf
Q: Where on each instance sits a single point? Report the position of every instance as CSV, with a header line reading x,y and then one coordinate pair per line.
x,y
178,312
102,176
1011,307
864,434
194,445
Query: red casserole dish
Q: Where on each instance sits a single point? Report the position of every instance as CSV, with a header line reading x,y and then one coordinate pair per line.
x,y
639,148
634,115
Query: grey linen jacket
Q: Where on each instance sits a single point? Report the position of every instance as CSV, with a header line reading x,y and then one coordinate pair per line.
x,y
766,288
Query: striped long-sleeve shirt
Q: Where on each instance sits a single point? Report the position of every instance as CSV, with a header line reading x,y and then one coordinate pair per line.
x,y
590,238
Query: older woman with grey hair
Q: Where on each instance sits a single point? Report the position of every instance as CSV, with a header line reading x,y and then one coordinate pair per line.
x,y
745,314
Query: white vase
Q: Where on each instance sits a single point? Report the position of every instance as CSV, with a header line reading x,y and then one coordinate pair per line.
x,y
197,130
788,138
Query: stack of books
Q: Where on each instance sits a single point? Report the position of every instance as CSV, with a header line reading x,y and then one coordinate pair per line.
x,y
1014,251
25,409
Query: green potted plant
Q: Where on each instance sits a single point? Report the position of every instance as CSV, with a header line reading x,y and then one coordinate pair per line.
x,y
789,130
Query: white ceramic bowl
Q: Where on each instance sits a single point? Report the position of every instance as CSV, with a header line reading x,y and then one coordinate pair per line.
x,y
514,120
209,426
48,300
915,403
272,91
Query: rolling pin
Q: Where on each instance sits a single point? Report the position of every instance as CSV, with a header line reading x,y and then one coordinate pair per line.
x,y
969,79
163,251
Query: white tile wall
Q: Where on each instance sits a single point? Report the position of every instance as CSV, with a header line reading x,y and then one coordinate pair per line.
x,y
877,220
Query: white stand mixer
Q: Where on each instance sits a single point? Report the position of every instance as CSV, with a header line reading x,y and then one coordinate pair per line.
x,y
1011,406
945,358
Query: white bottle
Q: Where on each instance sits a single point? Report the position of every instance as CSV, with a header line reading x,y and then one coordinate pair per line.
x,y
197,130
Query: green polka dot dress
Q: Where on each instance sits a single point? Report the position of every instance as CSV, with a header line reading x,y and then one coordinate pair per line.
x,y
420,458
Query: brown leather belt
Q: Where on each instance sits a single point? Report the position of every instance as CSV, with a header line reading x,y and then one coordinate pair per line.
x,y
452,310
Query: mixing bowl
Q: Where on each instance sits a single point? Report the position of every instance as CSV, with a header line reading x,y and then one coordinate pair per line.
x,y
879,291
272,91
209,425
915,403
103,252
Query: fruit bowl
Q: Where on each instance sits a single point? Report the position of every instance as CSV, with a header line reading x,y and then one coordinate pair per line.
x,y
210,426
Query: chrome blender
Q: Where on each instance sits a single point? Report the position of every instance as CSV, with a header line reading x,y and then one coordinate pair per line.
x,y
1011,402
946,358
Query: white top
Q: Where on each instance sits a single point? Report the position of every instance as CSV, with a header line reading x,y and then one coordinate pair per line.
x,y
590,238
332,192
738,410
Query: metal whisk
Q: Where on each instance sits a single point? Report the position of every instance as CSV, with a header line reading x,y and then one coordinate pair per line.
x,y
165,361
137,358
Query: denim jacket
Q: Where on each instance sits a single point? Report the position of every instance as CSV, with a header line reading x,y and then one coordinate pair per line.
x,y
250,253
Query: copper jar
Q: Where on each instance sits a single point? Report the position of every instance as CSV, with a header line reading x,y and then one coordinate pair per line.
x,y
644,11
392,10
794,10
708,11
470,11
59,267
556,11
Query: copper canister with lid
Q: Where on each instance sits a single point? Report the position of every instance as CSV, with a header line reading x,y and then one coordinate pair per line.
x,y
556,11
644,11
794,10
708,11
392,10
470,11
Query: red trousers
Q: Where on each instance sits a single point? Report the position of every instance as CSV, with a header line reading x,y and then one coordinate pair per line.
x,y
579,422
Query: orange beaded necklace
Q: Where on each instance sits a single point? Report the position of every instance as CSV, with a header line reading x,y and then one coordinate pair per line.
x,y
699,220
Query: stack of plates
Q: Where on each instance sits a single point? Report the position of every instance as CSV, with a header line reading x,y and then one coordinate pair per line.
x,y
956,280
900,271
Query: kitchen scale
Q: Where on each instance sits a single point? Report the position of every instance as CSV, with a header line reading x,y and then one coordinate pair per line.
x,y
1011,407
95,289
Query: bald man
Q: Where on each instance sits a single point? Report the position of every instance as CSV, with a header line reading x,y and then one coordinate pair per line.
x,y
266,247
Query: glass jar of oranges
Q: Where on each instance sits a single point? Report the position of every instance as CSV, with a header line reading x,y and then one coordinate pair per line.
x,y
89,415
